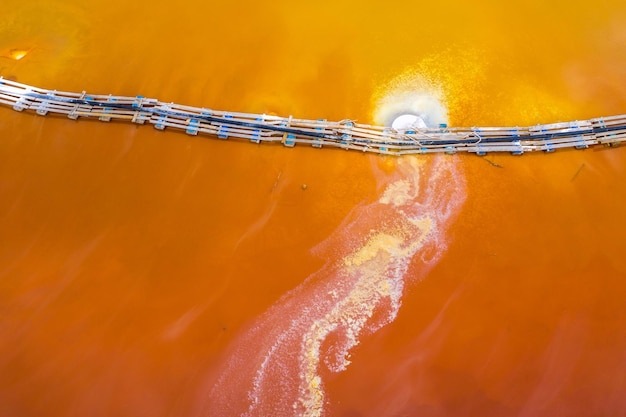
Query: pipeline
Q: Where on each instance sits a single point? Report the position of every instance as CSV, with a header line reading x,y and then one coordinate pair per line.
x,y
345,134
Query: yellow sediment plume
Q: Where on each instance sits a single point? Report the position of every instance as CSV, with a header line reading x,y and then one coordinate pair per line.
x,y
377,264
380,244
357,295
398,193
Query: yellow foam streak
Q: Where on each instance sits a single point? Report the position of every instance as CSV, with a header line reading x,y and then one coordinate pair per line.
x,y
380,266
313,328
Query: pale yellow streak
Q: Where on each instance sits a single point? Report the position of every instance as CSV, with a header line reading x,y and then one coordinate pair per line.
x,y
376,281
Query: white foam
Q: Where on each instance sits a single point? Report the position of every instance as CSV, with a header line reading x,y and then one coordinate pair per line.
x,y
281,361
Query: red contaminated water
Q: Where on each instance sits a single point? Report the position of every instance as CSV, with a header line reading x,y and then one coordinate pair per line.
x,y
147,273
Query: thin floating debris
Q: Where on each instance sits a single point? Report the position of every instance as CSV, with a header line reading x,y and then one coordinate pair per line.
x,y
580,168
493,163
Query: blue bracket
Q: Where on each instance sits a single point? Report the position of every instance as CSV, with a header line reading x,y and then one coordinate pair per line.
x,y
73,115
549,146
602,125
347,136
317,142
192,127
479,147
160,124
520,150
107,110
256,133
581,143
290,140
222,133
137,117
386,136
42,109
137,102
21,104
162,119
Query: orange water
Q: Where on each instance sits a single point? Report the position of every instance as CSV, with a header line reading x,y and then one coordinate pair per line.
x,y
135,265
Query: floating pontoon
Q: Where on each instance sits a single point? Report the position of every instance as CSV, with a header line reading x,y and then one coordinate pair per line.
x,y
345,134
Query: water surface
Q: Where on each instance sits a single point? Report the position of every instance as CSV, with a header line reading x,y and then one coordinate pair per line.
x,y
134,262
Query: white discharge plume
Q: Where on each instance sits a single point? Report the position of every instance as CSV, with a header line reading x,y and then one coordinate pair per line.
x,y
277,367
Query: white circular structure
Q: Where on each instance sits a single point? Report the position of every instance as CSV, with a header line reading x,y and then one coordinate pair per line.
x,y
408,121
414,109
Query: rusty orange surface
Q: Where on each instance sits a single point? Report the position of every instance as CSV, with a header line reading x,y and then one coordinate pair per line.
x,y
144,273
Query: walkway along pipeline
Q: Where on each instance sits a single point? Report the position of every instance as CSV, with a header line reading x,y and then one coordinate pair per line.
x,y
345,134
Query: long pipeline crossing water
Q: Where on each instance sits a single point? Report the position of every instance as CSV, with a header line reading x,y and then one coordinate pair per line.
x,y
345,134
